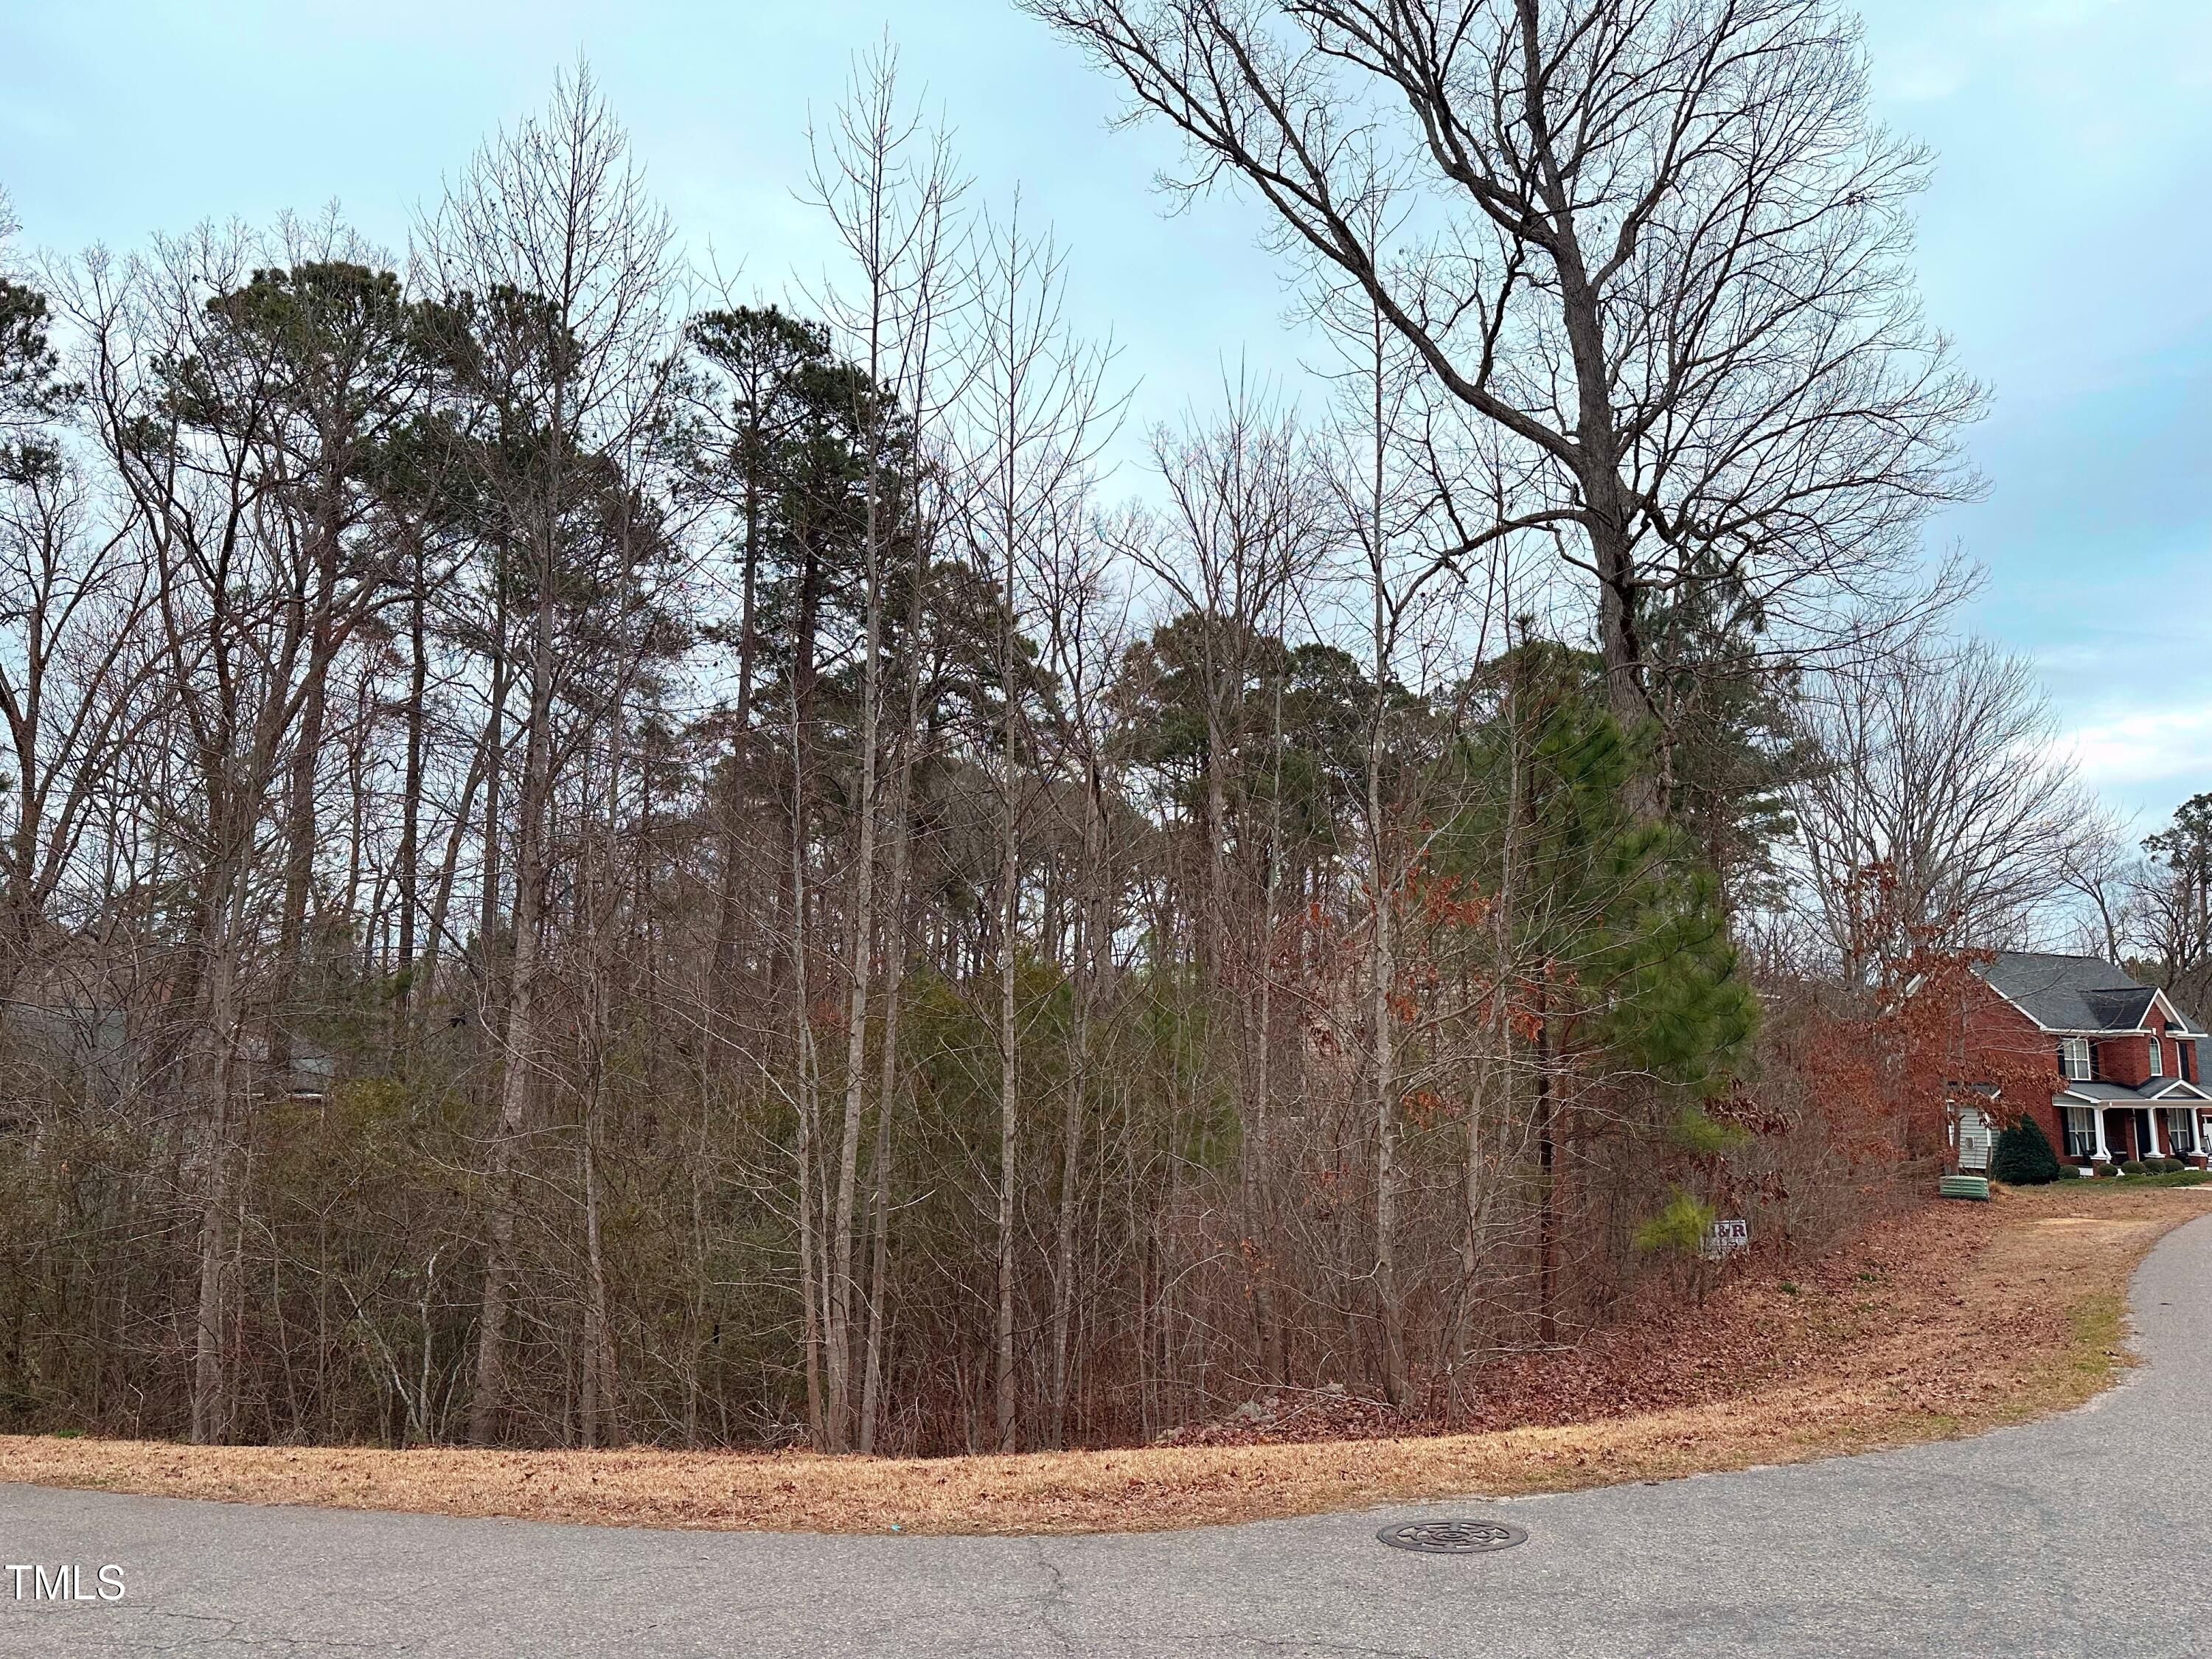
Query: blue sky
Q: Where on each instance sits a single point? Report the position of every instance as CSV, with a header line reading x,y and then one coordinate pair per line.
x,y
2064,244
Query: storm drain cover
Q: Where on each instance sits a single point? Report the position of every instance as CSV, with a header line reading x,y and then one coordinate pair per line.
x,y
1453,1537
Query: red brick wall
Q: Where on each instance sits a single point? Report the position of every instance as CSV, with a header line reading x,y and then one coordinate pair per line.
x,y
2124,1060
2127,1059
1998,1032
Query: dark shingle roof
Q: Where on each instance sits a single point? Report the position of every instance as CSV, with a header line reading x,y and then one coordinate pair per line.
x,y
2171,1088
2070,993
2116,1090
2118,1011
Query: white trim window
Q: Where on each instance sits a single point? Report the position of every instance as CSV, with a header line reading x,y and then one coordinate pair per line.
x,y
2157,1056
2180,1122
2074,1055
2081,1132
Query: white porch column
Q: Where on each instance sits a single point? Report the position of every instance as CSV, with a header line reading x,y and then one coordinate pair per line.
x,y
2150,1117
2097,1116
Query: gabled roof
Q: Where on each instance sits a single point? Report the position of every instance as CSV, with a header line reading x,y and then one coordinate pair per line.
x,y
2164,1091
2172,1088
2075,993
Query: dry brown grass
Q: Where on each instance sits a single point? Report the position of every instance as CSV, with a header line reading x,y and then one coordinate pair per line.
x,y
1955,1319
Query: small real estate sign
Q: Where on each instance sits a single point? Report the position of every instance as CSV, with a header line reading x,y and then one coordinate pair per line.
x,y
1725,1238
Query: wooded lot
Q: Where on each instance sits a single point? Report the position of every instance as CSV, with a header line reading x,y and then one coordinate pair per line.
x,y
585,860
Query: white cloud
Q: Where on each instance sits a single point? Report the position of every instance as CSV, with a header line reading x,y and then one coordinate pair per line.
x,y
2131,753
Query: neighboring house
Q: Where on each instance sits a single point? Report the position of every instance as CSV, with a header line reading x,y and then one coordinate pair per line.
x,y
2125,1065
93,1044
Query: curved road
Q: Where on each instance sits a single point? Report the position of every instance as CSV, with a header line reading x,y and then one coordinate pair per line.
x,y
2090,1533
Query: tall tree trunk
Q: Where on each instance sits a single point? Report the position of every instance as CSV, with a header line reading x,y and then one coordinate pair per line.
x,y
598,1393
808,1084
449,865
494,779
722,965
1002,1346
218,1046
880,1202
1382,1039
888,1088
838,1332
1383,878
1547,1218
1260,1210
411,821
1495,1068
1073,1103
908,740
319,627
521,1058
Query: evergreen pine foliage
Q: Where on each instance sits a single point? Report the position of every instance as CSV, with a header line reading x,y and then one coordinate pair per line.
x,y
1634,919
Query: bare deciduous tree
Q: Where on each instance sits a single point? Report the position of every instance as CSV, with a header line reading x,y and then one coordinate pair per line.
x,y
549,238
1662,247
1035,417
1934,765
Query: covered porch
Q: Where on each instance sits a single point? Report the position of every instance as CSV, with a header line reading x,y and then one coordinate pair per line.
x,y
2111,1123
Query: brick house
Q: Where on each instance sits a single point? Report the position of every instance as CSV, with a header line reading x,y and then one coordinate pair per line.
x,y
2125,1065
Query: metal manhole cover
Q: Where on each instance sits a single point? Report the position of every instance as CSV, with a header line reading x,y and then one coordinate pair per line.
x,y
1453,1537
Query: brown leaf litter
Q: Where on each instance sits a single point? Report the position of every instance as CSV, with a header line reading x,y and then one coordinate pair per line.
x,y
1955,1318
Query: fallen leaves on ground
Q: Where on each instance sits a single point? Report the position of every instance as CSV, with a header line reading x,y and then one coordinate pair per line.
x,y
1949,1319
1775,1322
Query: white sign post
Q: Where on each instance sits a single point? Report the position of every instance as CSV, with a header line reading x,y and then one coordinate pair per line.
x,y
1724,1238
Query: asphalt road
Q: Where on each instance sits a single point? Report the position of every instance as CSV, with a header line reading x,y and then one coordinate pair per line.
x,y
2090,1533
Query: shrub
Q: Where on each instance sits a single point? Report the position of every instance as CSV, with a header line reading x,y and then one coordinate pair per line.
x,y
2023,1156
1679,1227
2134,1166
2178,1178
